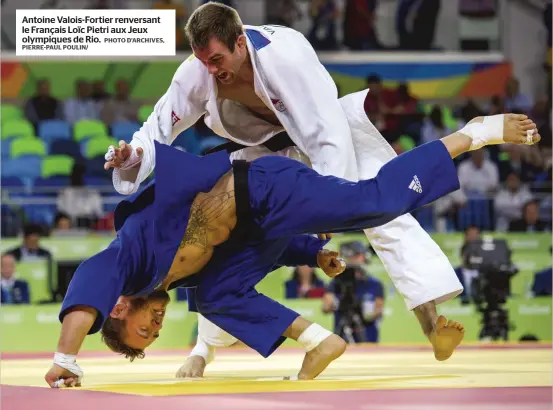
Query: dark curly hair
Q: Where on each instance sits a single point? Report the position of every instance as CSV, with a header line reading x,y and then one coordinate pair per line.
x,y
112,335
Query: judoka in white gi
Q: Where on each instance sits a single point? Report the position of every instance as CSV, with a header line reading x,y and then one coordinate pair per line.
x,y
254,83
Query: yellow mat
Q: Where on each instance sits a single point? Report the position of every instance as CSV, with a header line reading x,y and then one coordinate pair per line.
x,y
250,373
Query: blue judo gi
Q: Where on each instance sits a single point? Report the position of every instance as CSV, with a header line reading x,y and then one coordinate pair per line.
x,y
283,200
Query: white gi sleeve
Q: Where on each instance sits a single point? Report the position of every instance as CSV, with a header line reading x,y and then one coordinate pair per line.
x,y
318,125
181,106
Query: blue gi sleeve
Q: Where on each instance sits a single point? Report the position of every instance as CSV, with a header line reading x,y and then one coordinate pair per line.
x,y
97,283
302,250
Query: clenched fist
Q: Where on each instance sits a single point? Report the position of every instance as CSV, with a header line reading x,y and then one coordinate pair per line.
x,y
330,262
116,157
59,377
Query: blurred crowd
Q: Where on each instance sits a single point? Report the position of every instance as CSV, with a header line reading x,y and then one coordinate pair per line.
x,y
506,188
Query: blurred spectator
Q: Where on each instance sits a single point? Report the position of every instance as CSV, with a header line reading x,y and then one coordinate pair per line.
x,y
547,21
359,25
322,34
466,275
416,23
99,92
447,208
373,101
62,222
478,15
468,112
283,12
515,101
82,106
497,105
530,221
433,127
515,158
543,281
14,291
368,295
42,106
180,15
509,202
81,203
304,284
30,248
400,111
120,107
478,174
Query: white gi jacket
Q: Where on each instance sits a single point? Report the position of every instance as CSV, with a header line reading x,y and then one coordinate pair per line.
x,y
334,133
288,78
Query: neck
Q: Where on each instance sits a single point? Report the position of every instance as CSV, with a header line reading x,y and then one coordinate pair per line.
x,y
245,73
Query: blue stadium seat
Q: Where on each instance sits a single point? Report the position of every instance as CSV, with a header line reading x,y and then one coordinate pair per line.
x,y
124,130
98,180
11,222
26,166
52,130
51,183
43,214
95,167
477,212
12,182
425,217
65,147
6,148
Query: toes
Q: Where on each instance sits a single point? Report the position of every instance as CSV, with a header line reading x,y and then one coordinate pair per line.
x,y
528,127
451,323
441,322
517,117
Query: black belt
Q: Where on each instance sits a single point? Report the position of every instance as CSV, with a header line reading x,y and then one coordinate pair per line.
x,y
245,225
275,144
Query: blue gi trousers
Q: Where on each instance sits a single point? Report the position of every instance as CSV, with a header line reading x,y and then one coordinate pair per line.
x,y
286,199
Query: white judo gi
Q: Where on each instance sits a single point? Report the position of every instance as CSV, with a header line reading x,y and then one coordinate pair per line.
x,y
335,134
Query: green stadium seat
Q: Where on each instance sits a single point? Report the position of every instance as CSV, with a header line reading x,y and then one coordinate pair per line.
x,y
57,165
28,146
17,128
407,143
144,112
449,119
84,129
447,115
9,112
97,147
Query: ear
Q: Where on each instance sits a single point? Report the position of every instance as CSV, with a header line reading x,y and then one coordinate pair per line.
x,y
119,311
241,41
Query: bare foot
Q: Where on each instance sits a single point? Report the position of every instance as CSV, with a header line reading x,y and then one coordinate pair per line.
x,y
320,357
445,337
193,367
516,127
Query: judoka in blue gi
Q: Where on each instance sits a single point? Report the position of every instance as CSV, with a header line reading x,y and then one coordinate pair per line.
x,y
220,228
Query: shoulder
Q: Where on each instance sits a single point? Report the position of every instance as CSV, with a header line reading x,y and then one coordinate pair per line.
x,y
190,66
284,42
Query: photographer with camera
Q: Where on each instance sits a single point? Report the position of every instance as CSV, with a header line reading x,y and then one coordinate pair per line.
x,y
355,297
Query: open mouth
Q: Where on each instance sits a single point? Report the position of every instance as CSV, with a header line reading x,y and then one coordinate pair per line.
x,y
223,76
